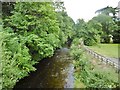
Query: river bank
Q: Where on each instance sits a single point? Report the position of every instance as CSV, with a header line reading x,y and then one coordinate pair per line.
x,y
54,72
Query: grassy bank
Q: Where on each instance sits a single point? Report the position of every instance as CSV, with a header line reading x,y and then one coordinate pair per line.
x,y
90,72
106,72
109,50
97,66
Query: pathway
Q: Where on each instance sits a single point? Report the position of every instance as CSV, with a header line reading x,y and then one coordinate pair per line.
x,y
113,61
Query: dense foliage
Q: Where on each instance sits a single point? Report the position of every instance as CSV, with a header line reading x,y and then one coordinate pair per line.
x,y
89,32
16,60
115,33
84,70
102,28
66,24
111,13
31,31
108,26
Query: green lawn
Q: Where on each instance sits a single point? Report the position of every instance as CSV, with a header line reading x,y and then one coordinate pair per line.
x,y
110,50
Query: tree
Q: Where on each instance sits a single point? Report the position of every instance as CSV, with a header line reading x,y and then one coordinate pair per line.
x,y
7,7
108,10
66,24
59,6
89,31
108,26
94,31
31,33
80,28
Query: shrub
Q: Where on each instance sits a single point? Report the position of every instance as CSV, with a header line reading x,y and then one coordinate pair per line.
x,y
16,60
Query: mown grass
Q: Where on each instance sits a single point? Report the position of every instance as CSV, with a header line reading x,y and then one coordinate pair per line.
x,y
109,50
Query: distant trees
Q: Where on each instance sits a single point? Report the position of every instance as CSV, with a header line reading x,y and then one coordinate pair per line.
x,y
116,30
66,23
108,10
108,26
100,28
89,31
94,31
80,28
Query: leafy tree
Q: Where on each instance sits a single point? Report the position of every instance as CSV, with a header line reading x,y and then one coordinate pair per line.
x,y
7,7
108,26
16,60
110,10
66,24
116,33
59,6
93,33
80,28
88,31
37,21
30,34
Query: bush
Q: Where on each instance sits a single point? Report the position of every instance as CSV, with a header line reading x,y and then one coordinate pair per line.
x,y
16,60
89,42
31,32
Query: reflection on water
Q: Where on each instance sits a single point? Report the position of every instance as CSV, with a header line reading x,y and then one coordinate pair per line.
x,y
55,72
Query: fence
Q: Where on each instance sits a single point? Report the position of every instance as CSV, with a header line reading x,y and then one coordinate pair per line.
x,y
106,60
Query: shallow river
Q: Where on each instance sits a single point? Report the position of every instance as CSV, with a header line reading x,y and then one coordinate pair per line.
x,y
54,72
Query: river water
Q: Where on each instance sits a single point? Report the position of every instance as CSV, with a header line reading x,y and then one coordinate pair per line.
x,y
54,72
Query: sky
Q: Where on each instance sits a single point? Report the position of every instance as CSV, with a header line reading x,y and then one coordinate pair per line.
x,y
85,9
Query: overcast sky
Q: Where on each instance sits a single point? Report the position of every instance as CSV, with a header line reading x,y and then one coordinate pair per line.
x,y
86,8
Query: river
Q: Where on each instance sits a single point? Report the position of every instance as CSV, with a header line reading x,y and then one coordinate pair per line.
x,y
54,72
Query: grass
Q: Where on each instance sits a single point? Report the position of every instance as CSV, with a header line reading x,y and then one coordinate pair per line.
x,y
109,50
104,69
100,67
79,84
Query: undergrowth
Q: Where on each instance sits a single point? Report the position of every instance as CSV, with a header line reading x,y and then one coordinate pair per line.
x,y
84,70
